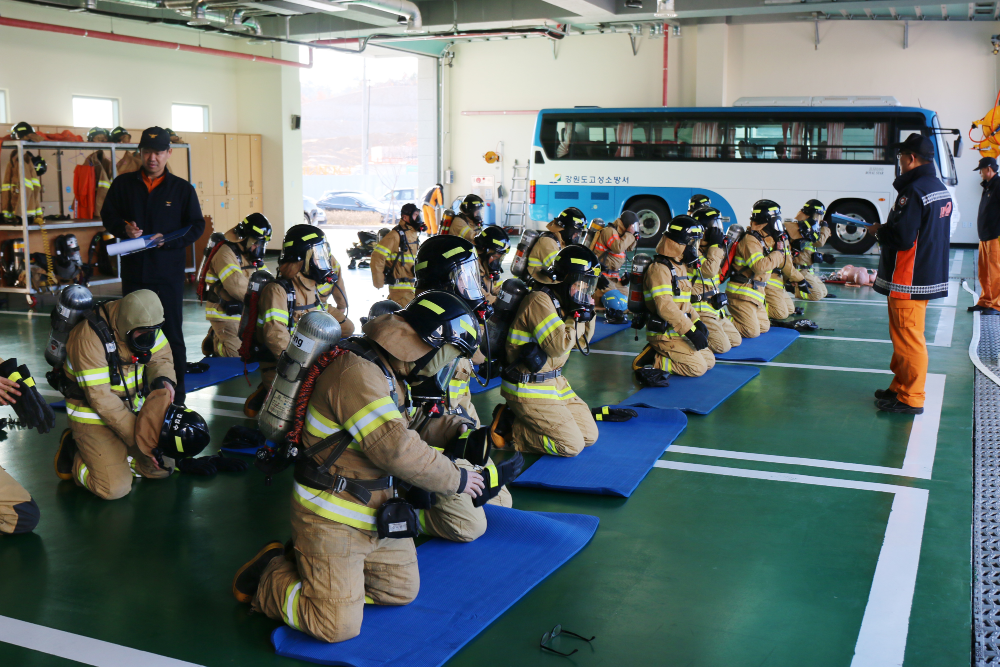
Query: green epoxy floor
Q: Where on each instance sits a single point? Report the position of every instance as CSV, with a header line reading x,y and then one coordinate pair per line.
x,y
695,569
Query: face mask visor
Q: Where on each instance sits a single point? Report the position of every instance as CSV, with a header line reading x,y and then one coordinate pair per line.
x,y
581,290
573,235
467,282
320,268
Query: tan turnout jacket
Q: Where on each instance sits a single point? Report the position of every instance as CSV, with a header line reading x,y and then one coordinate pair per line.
x,y
87,365
538,321
610,247
658,293
387,253
750,261
228,276
10,189
353,394
543,253
463,227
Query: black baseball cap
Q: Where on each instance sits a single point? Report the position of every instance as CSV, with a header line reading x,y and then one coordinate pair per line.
x,y
155,138
917,144
984,162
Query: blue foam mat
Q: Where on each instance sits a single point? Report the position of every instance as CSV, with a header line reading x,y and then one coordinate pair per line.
x,y
614,465
220,369
452,608
764,347
697,395
602,329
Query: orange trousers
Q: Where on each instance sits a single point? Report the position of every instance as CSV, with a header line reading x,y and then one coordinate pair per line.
x,y
989,273
909,350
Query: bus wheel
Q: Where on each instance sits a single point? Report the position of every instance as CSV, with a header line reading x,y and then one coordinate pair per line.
x,y
653,218
852,239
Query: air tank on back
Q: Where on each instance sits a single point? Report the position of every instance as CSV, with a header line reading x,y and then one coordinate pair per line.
x,y
73,302
636,302
312,337
258,279
509,299
519,265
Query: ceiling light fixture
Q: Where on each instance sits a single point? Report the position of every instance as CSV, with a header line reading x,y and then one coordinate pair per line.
x,y
665,9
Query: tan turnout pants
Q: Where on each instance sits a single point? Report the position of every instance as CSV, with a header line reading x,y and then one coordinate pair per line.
x,y
779,302
401,295
559,429
749,317
18,512
454,518
817,288
322,586
101,465
678,356
722,333
225,342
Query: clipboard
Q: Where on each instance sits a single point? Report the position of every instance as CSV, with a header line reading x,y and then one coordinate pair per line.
x,y
131,246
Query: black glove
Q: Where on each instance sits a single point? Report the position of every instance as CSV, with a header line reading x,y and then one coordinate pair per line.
x,y
473,446
714,236
241,437
226,464
698,336
584,314
623,280
506,473
40,411
608,414
203,466
803,286
8,369
603,282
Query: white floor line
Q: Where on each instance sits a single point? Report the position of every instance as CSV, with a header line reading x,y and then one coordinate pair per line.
x,y
952,298
79,648
945,328
956,263
865,340
882,637
869,302
921,447
220,399
806,366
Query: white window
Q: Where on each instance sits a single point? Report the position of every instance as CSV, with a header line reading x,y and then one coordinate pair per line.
x,y
95,112
189,118
3,106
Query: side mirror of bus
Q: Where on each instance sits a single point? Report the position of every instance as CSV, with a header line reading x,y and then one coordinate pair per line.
x,y
958,146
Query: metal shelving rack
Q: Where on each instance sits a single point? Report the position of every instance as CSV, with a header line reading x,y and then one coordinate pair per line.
x,y
25,227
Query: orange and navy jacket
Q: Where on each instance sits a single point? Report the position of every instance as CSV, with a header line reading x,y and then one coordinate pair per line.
x,y
915,238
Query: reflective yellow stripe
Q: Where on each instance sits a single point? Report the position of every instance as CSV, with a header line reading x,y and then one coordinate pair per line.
x,y
540,391
745,290
83,474
274,314
228,270
290,608
161,341
332,508
371,417
547,326
321,427
549,445
83,414
518,337
494,476
214,311
104,184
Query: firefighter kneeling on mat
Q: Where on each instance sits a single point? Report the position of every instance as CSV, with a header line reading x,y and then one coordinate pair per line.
x,y
392,260
707,297
275,305
449,264
492,245
18,511
567,229
543,414
807,232
113,352
752,263
677,339
224,278
354,450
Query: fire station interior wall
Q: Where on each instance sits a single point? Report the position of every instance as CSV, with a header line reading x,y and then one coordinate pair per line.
x,y
948,67
44,70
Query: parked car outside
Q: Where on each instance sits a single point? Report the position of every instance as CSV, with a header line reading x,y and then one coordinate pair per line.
x,y
314,215
356,202
395,199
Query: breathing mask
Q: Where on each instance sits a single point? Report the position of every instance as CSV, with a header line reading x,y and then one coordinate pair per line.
x,y
579,291
417,222
140,342
317,264
436,370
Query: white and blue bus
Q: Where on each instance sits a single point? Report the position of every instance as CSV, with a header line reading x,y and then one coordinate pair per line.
x,y
651,161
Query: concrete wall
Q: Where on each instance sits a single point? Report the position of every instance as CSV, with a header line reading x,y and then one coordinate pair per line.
x,y
44,70
948,67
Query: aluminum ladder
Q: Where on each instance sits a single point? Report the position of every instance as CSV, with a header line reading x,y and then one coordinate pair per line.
x,y
517,202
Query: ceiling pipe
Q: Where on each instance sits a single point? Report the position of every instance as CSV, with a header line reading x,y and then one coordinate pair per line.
x,y
546,31
404,8
141,41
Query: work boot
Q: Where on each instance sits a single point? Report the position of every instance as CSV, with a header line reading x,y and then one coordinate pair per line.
x,y
798,311
208,344
644,358
255,401
830,296
976,308
502,426
247,578
652,377
895,405
885,394
65,455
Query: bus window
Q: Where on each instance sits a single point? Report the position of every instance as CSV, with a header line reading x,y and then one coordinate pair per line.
x,y
833,141
946,162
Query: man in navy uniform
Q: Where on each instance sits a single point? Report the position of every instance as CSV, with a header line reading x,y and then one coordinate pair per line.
x,y
154,201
